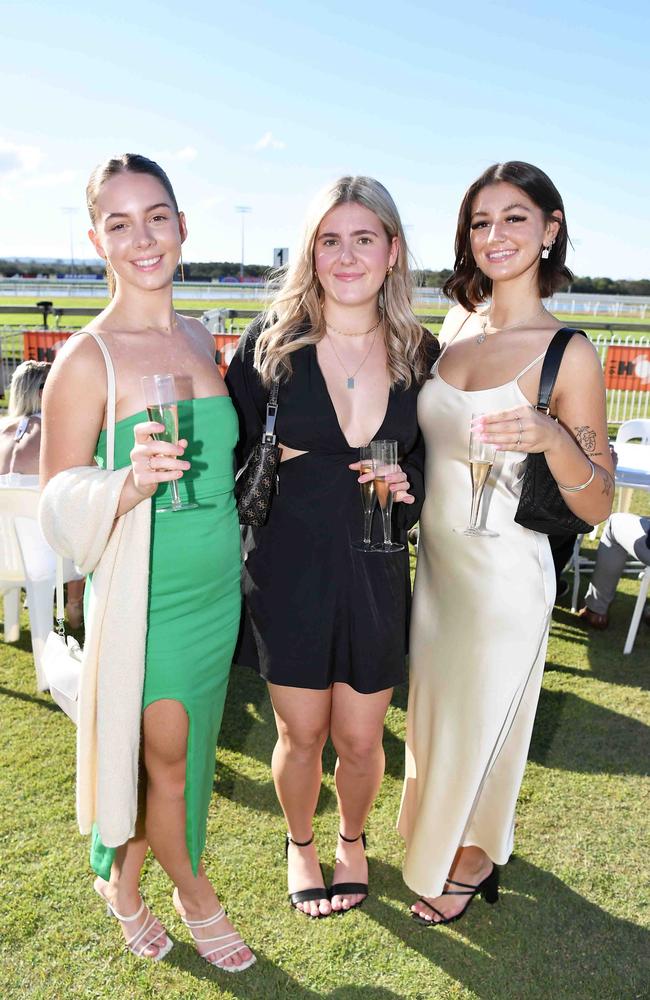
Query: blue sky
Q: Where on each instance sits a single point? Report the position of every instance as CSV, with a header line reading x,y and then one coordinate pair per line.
x,y
261,104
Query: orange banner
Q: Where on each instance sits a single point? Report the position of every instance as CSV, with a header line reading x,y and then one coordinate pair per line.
x,y
628,368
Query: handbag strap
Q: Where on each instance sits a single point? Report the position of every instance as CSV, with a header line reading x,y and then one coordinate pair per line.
x,y
110,465
268,435
110,400
60,605
551,366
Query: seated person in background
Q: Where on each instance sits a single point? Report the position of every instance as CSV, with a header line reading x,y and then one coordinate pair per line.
x,y
624,535
20,442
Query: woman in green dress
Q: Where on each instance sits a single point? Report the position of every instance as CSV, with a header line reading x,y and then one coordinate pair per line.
x,y
194,569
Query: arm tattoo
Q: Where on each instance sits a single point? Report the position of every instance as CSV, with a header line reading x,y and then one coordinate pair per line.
x,y
608,483
586,438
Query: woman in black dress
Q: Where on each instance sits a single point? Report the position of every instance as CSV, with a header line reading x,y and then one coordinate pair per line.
x,y
325,624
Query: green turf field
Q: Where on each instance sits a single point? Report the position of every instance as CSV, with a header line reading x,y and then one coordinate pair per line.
x,y
572,922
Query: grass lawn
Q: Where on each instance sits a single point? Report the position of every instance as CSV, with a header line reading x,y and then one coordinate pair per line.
x,y
572,922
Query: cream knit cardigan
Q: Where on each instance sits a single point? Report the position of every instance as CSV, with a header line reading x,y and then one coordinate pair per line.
x,y
78,518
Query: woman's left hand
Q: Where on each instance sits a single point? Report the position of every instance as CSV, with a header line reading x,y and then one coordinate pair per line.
x,y
521,429
399,484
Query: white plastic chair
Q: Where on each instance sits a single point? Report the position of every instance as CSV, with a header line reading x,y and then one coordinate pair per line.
x,y
19,507
631,430
638,610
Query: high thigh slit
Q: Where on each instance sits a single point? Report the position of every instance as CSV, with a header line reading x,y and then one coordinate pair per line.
x,y
194,598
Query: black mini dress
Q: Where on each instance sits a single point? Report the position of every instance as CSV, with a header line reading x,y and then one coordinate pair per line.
x,y
315,610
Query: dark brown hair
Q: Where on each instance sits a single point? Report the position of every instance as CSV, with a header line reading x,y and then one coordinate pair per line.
x,y
127,163
467,284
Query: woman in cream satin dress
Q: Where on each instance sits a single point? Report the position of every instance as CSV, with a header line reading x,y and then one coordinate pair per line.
x,y
482,605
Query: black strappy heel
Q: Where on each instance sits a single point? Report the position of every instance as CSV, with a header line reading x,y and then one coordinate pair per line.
x,y
488,889
350,888
306,895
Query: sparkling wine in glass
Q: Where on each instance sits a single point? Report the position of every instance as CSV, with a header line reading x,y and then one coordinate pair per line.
x,y
161,401
481,460
368,499
384,462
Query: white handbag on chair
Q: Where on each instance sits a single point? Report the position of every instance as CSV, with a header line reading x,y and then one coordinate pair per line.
x,y
62,655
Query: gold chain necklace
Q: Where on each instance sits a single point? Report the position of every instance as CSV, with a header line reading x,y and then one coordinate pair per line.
x,y
364,334
482,337
351,378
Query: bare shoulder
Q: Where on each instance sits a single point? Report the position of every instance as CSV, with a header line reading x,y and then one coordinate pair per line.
x,y
580,359
78,358
452,323
78,372
199,333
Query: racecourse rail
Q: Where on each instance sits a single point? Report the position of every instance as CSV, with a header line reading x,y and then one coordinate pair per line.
x,y
615,349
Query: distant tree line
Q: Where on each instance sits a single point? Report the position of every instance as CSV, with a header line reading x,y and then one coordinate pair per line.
x,y
219,270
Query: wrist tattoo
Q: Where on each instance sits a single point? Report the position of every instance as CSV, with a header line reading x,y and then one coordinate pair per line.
x,y
608,483
586,438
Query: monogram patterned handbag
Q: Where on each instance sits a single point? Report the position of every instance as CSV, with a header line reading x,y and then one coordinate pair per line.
x,y
258,477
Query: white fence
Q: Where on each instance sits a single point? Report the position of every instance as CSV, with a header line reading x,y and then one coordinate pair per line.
x,y
622,404
573,303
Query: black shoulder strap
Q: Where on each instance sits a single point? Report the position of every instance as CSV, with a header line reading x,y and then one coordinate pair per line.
x,y
551,365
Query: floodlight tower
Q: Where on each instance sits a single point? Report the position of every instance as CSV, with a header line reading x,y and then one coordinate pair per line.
x,y
243,210
71,211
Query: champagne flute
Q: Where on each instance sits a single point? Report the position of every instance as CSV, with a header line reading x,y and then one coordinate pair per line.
x,y
384,462
481,460
368,498
161,401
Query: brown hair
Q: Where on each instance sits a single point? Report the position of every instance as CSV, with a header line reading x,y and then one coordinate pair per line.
x,y
467,284
127,163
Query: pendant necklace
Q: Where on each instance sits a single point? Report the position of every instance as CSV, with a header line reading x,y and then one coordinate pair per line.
x,y
482,337
351,378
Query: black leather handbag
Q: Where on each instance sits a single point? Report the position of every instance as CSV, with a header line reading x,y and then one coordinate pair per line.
x,y
258,477
541,505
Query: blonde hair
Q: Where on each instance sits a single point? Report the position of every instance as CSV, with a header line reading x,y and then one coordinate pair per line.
x,y
24,391
127,163
294,317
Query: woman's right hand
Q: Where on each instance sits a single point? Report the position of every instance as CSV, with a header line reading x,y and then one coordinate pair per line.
x,y
154,462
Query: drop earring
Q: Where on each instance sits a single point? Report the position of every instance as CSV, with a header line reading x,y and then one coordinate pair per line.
x,y
546,251
181,266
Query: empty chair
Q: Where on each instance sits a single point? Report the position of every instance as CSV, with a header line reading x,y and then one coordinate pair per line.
x,y
638,610
631,430
26,560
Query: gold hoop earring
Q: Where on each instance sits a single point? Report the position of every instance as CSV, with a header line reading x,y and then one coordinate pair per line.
x,y
181,266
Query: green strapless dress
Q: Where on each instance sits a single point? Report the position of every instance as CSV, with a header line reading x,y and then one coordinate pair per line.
x,y
194,597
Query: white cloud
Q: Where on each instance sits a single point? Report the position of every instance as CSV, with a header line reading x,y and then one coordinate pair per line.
x,y
19,170
16,160
212,201
51,179
184,155
268,141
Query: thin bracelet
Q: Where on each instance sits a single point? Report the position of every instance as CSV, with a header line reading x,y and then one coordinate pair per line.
x,y
576,489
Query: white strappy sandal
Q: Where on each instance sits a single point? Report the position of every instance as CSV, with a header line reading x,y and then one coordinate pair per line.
x,y
233,946
136,945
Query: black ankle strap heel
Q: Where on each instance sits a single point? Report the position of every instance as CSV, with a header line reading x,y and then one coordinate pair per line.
x,y
296,843
305,895
353,840
350,888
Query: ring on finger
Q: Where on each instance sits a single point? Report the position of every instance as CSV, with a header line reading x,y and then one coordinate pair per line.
x,y
518,441
149,465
